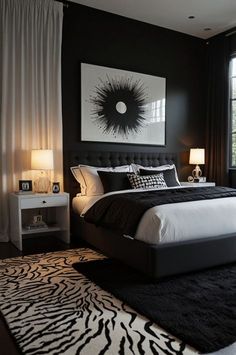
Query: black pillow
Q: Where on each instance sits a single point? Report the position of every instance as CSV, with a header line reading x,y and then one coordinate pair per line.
x,y
114,181
169,175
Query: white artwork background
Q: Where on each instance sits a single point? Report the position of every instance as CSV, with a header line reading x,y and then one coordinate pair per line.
x,y
153,131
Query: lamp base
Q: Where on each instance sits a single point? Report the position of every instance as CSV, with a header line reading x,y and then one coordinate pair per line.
x,y
42,184
197,173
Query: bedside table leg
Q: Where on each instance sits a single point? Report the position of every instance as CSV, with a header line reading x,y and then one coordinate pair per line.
x,y
15,224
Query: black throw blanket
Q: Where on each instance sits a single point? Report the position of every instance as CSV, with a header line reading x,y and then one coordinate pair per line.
x,y
124,211
198,308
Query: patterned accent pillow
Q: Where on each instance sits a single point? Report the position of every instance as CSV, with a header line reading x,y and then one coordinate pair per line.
x,y
147,182
170,175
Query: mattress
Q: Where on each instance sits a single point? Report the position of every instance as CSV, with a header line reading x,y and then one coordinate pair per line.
x,y
178,221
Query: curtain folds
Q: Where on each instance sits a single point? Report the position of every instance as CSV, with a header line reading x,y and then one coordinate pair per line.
x,y
30,92
217,110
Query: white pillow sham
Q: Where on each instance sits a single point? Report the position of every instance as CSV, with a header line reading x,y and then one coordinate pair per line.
x,y
136,167
89,180
79,178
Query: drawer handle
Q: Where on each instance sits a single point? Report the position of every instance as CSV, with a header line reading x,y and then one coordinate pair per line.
x,y
44,201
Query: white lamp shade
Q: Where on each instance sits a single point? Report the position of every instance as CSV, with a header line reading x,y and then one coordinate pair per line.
x,y
41,159
197,156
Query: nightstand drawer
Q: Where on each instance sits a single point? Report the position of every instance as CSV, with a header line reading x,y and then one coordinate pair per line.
x,y
43,201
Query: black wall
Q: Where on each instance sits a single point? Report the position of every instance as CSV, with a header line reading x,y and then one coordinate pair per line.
x,y
102,38
232,40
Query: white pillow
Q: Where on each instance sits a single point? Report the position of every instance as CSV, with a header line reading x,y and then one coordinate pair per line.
x,y
136,168
79,178
89,180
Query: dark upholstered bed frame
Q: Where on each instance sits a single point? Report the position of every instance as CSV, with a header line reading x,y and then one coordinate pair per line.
x,y
154,260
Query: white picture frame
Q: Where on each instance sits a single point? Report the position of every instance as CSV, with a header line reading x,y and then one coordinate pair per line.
x,y
120,106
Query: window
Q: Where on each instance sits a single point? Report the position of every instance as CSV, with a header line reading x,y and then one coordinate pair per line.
x,y
232,133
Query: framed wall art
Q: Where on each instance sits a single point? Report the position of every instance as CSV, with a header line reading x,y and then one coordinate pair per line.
x,y
120,106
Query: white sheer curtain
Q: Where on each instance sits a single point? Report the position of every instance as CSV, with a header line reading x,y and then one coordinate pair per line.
x,y
30,92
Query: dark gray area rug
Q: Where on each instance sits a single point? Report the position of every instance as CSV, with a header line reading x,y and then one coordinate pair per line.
x,y
199,308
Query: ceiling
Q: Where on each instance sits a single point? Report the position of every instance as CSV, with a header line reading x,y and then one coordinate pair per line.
x,y
216,15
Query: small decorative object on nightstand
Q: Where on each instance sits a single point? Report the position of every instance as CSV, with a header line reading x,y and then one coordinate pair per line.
x,y
25,186
55,187
39,214
37,223
200,179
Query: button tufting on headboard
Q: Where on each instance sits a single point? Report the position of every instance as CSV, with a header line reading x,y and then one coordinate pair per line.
x,y
102,159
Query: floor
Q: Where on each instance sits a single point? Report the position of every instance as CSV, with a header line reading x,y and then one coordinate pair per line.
x,y
30,246
35,246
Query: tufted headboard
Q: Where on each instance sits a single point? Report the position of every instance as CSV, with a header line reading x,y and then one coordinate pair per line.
x,y
102,159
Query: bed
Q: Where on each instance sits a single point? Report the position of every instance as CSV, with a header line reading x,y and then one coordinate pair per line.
x,y
156,260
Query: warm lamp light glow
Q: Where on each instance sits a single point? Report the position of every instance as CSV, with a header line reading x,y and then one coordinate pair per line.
x,y
41,159
197,156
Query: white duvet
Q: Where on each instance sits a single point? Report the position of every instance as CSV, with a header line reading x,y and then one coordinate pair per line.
x,y
178,221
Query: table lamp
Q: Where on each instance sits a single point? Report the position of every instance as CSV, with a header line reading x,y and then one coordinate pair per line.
x,y
42,159
197,156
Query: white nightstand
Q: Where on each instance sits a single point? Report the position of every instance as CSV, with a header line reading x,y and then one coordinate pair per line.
x,y
54,209
197,184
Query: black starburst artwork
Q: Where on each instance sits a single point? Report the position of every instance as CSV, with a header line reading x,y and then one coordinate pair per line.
x,y
119,106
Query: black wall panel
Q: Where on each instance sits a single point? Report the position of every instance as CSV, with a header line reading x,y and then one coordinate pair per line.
x,y
102,38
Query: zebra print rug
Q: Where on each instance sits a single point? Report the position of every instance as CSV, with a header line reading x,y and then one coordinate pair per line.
x,y
52,309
